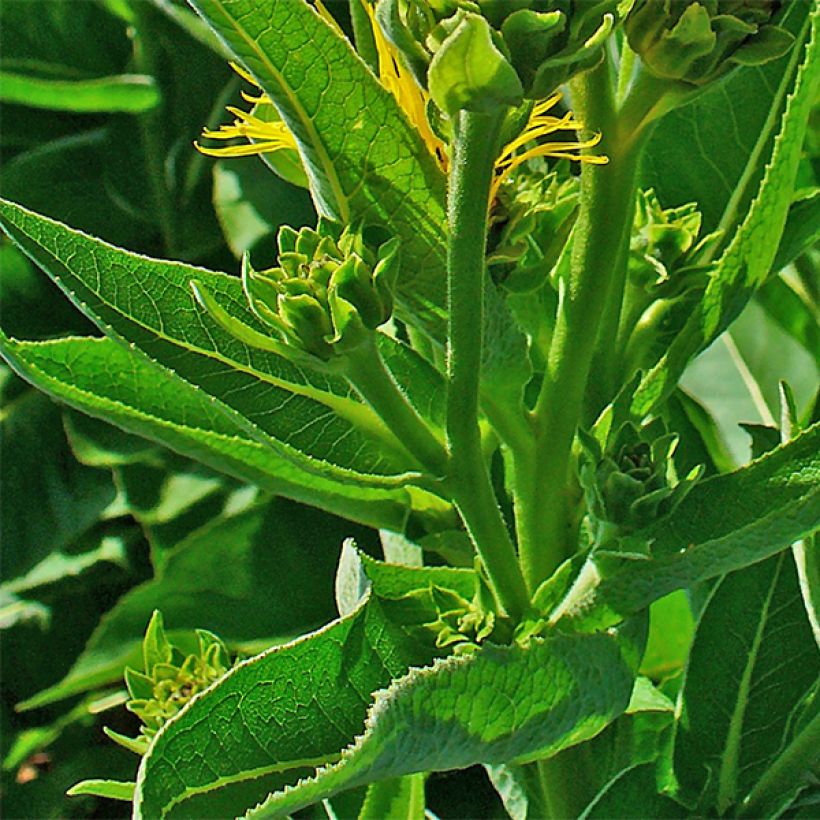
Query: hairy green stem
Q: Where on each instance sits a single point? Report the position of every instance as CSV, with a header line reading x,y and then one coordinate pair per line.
x,y
601,232
368,374
474,154
799,758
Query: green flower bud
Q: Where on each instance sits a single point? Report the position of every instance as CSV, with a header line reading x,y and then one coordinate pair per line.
x,y
474,54
666,255
630,482
697,41
169,679
530,228
328,290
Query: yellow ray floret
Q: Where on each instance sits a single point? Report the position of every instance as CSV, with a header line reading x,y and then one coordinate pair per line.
x,y
542,124
271,134
410,96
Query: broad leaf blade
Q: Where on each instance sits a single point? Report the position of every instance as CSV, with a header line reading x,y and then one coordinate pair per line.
x,y
149,401
632,793
150,304
282,713
366,162
559,691
725,523
752,661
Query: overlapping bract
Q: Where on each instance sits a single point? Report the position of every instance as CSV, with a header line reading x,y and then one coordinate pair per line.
x,y
698,41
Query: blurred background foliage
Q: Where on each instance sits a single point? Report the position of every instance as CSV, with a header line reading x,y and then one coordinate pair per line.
x,y
100,102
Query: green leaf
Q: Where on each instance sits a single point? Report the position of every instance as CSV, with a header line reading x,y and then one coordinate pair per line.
x,y
737,378
150,304
401,798
60,565
48,499
632,794
284,712
725,523
671,627
150,401
752,660
560,691
365,161
241,577
747,261
111,789
801,230
713,151
520,790
126,93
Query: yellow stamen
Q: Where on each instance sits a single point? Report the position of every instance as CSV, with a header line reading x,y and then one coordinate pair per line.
x,y
540,125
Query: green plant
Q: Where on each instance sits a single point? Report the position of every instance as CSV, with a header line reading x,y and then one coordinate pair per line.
x,y
477,350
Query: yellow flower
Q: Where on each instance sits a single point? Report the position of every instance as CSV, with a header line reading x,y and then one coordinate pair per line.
x,y
542,124
267,133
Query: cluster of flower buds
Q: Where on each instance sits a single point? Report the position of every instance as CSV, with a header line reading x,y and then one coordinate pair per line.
x,y
477,54
328,290
667,255
669,268
696,41
630,482
170,678
530,229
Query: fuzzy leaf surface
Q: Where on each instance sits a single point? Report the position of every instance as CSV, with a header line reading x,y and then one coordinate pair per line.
x,y
365,161
273,718
557,692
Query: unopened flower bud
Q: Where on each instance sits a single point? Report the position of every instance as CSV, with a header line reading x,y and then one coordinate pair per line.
x,y
697,41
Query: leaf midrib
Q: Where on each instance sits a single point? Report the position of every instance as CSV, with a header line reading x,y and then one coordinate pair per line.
x,y
326,162
355,413
730,757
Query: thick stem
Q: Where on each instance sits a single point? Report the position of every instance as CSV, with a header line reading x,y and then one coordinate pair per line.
x,y
602,230
474,154
366,371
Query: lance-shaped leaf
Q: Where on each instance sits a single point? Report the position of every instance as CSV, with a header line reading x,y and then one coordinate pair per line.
x,y
105,380
274,718
365,161
130,93
150,303
556,692
747,261
752,661
725,523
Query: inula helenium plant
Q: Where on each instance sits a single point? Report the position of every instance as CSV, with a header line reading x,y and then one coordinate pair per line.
x,y
485,479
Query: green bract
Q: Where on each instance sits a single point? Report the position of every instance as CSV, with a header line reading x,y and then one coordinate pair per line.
x,y
475,49
630,483
697,41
